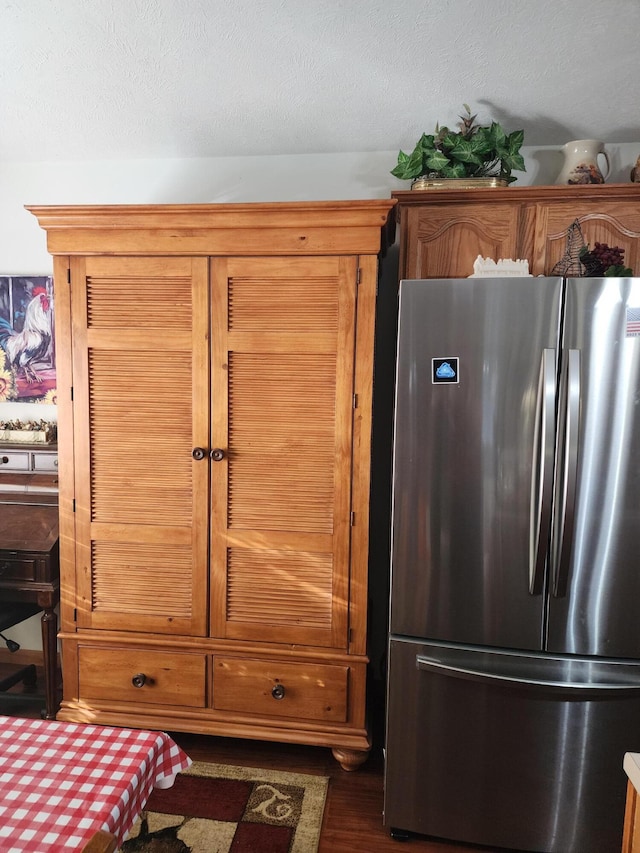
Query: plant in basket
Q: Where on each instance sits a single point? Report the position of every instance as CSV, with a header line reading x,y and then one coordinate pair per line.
x,y
473,151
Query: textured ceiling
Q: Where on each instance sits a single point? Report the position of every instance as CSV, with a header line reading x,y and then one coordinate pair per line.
x,y
103,79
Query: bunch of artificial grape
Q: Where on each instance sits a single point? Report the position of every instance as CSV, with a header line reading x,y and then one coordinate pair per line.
x,y
598,260
607,256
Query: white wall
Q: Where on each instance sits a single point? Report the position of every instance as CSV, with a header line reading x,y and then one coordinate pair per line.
x,y
224,179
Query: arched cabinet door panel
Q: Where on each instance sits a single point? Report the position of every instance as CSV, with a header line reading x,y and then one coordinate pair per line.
x,y
445,241
613,223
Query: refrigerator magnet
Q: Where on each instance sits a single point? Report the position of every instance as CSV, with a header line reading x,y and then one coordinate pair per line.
x,y
444,370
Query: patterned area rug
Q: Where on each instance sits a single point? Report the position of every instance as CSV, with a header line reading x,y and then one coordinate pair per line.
x,y
217,808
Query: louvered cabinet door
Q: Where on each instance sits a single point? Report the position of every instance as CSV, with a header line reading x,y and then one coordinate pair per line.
x,y
282,414
140,374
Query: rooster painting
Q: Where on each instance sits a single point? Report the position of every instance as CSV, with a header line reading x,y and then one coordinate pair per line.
x,y
26,334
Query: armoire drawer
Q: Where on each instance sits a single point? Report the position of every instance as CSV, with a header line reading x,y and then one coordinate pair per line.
x,y
143,676
306,690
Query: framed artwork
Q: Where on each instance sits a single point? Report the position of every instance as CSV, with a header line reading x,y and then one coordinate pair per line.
x,y
27,348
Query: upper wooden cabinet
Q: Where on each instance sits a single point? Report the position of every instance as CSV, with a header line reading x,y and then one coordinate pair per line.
x,y
215,405
442,232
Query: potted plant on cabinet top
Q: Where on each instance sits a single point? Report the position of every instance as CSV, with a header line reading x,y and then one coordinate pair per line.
x,y
472,156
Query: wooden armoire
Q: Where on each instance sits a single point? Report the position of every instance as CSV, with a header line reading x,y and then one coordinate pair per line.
x,y
215,369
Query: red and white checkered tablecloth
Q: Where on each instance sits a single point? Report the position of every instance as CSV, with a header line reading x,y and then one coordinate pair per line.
x,y
62,782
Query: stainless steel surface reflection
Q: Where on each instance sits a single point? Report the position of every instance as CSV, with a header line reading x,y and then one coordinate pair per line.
x,y
597,610
507,764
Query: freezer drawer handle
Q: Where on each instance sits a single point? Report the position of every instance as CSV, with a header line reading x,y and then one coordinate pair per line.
x,y
573,688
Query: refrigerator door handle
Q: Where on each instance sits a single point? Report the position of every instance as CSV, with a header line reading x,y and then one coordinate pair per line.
x,y
542,480
572,688
569,471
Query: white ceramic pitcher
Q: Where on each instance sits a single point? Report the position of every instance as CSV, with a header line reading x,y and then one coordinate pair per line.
x,y
581,162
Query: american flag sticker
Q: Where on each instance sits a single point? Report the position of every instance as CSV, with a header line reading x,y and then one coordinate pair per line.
x,y
633,322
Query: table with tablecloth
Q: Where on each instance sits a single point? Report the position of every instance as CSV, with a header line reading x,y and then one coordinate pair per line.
x,y
62,782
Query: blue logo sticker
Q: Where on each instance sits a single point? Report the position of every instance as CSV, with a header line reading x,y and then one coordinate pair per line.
x,y
444,370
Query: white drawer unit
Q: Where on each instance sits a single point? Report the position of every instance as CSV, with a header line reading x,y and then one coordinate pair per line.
x,y
32,468
44,461
15,460
28,459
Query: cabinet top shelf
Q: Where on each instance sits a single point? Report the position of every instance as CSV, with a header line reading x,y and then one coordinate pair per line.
x,y
282,214
514,193
259,228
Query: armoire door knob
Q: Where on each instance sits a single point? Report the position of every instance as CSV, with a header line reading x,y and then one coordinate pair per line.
x,y
217,454
198,453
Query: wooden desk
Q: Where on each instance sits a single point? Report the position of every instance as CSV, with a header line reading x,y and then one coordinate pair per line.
x,y
30,572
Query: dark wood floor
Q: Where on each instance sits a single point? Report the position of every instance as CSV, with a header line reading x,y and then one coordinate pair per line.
x,y
353,813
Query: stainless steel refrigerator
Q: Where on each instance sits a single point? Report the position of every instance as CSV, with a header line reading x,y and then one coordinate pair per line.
x,y
513,683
